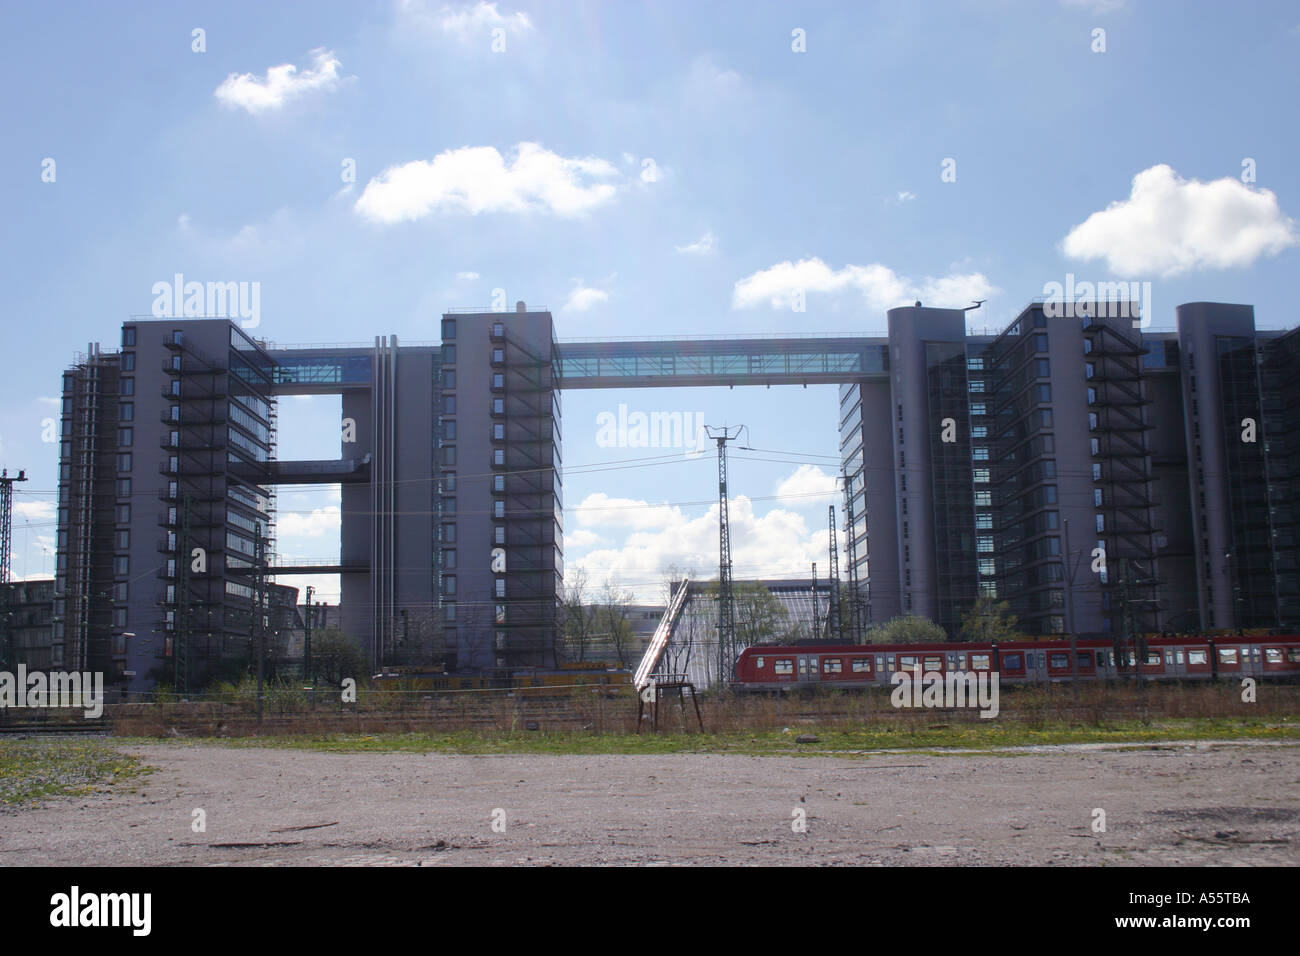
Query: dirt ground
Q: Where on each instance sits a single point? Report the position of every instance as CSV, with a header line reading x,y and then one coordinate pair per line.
x,y
1201,804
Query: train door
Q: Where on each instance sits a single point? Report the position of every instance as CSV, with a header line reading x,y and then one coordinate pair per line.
x,y
807,669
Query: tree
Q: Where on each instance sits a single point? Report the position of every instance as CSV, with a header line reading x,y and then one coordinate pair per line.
x,y
579,618
614,621
907,629
989,621
336,657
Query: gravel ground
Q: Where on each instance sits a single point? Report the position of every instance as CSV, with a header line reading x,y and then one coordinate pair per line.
x,y
1170,805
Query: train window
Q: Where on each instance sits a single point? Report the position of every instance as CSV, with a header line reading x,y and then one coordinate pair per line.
x,y
1178,655
880,662
1169,656
831,665
1293,655
1060,660
933,664
891,662
1085,660
862,665
979,662
1153,658
1273,655
783,666
1227,655
758,662
1011,661
961,662
1196,656
907,663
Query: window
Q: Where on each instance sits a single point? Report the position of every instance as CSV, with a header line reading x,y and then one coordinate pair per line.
x,y
121,564
498,508
984,544
987,566
1040,343
126,412
1095,445
449,404
449,559
448,329
126,436
977,408
449,585
1059,661
983,499
831,665
449,506
977,385
499,534
449,532
449,613
498,329
128,386
498,380
449,355
123,514
862,665
979,431
449,378
449,456
1012,662
1096,471
120,591
449,429
984,521
1044,393
980,454
1096,497
1195,656
979,662
980,475
122,540
783,666
1089,370
498,356
128,336
1272,655
124,462
501,587
498,482
1045,416
498,456
1092,396
1227,655
758,663
1101,524
498,432
1043,368
498,406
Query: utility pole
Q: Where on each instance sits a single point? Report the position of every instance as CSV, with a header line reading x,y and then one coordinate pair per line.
x,y
7,520
306,646
726,599
817,614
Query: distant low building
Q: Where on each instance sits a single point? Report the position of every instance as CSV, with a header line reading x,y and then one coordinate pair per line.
x,y
26,624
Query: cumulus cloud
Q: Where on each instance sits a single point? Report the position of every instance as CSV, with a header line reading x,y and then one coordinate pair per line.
x,y
703,246
807,480
1170,226
282,84
584,297
467,23
880,287
468,276
478,179
778,543
34,510
315,524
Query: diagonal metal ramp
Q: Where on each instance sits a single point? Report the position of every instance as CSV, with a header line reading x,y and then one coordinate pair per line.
x,y
655,649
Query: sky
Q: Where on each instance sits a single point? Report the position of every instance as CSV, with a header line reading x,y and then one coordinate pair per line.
x,y
640,169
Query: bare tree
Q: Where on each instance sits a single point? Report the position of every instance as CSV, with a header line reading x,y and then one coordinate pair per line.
x,y
579,619
613,611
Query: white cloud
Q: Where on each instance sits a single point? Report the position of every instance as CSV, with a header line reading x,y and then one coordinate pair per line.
x,y
50,400
583,298
582,538
467,23
34,510
806,481
881,288
282,84
314,525
703,246
906,196
1170,226
478,179
656,536
467,276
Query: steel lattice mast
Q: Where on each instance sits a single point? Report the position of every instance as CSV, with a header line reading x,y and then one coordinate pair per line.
x,y
7,520
834,627
726,599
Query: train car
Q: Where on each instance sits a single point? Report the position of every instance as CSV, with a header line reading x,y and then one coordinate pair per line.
x,y
773,668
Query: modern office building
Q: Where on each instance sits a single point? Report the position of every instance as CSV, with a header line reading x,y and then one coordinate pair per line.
x,y
973,465
26,624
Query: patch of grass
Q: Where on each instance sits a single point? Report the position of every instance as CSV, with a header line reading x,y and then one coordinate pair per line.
x,y
833,741
35,769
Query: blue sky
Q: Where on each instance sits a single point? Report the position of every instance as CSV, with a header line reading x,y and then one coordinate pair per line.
x,y
640,169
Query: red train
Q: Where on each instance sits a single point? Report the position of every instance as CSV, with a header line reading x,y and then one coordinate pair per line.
x,y
850,666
